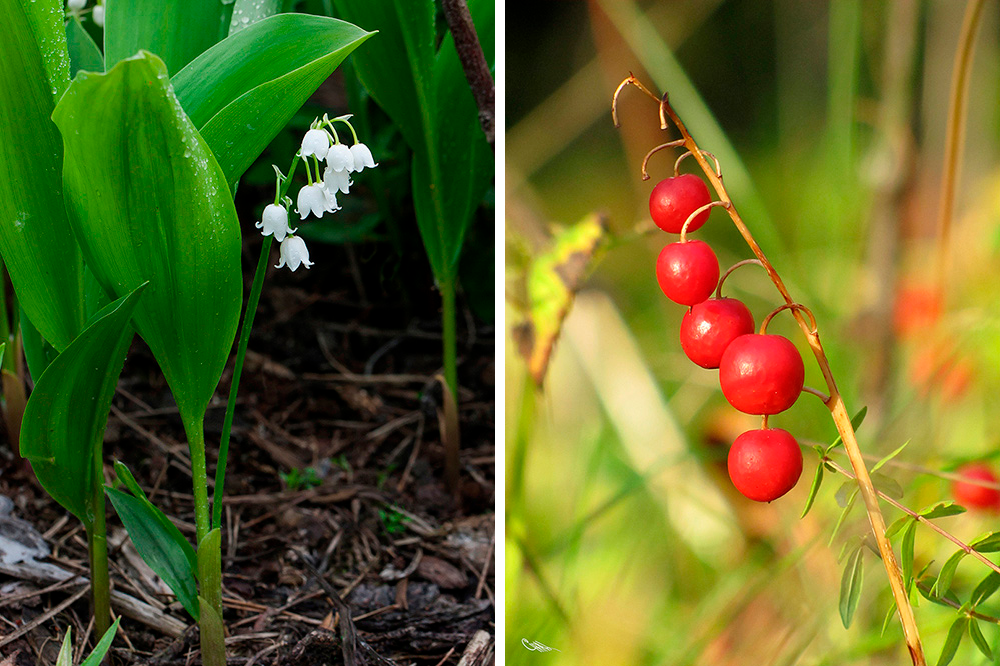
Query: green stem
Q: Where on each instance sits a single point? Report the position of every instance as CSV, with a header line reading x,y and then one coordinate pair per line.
x,y
100,586
447,288
199,477
241,352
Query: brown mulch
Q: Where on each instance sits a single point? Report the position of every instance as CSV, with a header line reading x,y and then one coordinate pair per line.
x,y
373,551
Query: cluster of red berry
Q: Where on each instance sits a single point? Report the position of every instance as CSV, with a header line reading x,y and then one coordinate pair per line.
x,y
759,373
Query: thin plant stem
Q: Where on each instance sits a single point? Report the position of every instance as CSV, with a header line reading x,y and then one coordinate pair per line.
x,y
448,318
835,403
241,352
100,583
199,477
958,102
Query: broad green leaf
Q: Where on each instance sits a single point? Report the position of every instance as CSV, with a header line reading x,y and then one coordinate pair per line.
x,y
36,240
952,642
889,457
83,52
906,552
159,545
150,203
947,574
813,490
101,649
988,543
986,588
175,30
37,351
850,586
856,422
977,637
942,510
242,91
247,12
65,656
62,434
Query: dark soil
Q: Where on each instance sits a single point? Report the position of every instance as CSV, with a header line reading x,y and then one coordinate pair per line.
x,y
341,378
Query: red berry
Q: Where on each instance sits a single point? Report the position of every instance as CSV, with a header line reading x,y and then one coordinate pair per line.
x,y
709,327
972,495
674,199
761,374
765,464
687,272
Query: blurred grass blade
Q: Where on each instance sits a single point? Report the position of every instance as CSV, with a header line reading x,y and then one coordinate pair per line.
x,y
63,429
160,544
150,203
101,649
83,52
36,241
242,91
850,586
175,30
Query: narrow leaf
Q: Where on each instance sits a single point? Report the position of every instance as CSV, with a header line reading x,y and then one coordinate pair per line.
x,y
887,485
896,526
83,52
62,434
986,588
843,516
988,543
888,617
211,625
977,637
160,547
943,583
906,552
850,587
65,657
855,424
101,649
952,642
889,457
149,203
813,490
942,510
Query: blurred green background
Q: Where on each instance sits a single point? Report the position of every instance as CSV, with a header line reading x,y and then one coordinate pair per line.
x,y
626,543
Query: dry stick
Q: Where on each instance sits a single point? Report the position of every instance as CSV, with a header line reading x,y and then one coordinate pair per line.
x,y
835,403
477,70
969,550
954,138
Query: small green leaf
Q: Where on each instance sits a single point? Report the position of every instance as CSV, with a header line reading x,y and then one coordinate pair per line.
x,y
124,475
947,574
850,586
101,649
162,548
65,657
977,637
906,552
845,493
887,485
952,642
942,510
985,589
83,52
855,424
988,543
889,457
888,617
896,526
62,434
813,490
843,516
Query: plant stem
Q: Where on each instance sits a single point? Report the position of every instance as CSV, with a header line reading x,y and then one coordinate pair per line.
x,y
241,352
451,453
100,585
835,403
199,477
470,54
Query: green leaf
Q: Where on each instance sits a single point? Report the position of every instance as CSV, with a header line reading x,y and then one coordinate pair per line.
x,y
942,510
947,574
150,203
102,646
175,30
160,544
247,12
36,240
896,526
986,588
65,657
855,424
906,552
889,457
813,490
887,485
83,52
977,637
952,642
845,493
124,475
242,91
988,543
62,434
843,516
888,617
850,586
37,351
211,625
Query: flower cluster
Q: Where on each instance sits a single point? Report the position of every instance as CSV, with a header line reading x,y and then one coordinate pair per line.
x,y
320,144
77,6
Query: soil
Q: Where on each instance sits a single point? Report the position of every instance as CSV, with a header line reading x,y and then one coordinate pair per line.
x,y
334,486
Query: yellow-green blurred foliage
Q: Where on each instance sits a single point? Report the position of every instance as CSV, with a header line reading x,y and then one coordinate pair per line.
x,y
626,543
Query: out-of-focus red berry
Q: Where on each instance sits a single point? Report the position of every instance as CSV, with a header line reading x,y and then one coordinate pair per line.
x,y
917,309
972,495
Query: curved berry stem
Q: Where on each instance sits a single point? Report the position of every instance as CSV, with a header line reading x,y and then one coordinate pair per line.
x,y
819,394
698,211
685,155
794,307
835,404
645,160
718,289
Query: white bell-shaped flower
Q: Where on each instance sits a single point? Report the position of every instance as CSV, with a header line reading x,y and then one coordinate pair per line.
x,y
98,15
362,157
76,5
275,221
315,142
336,180
340,158
293,254
316,200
